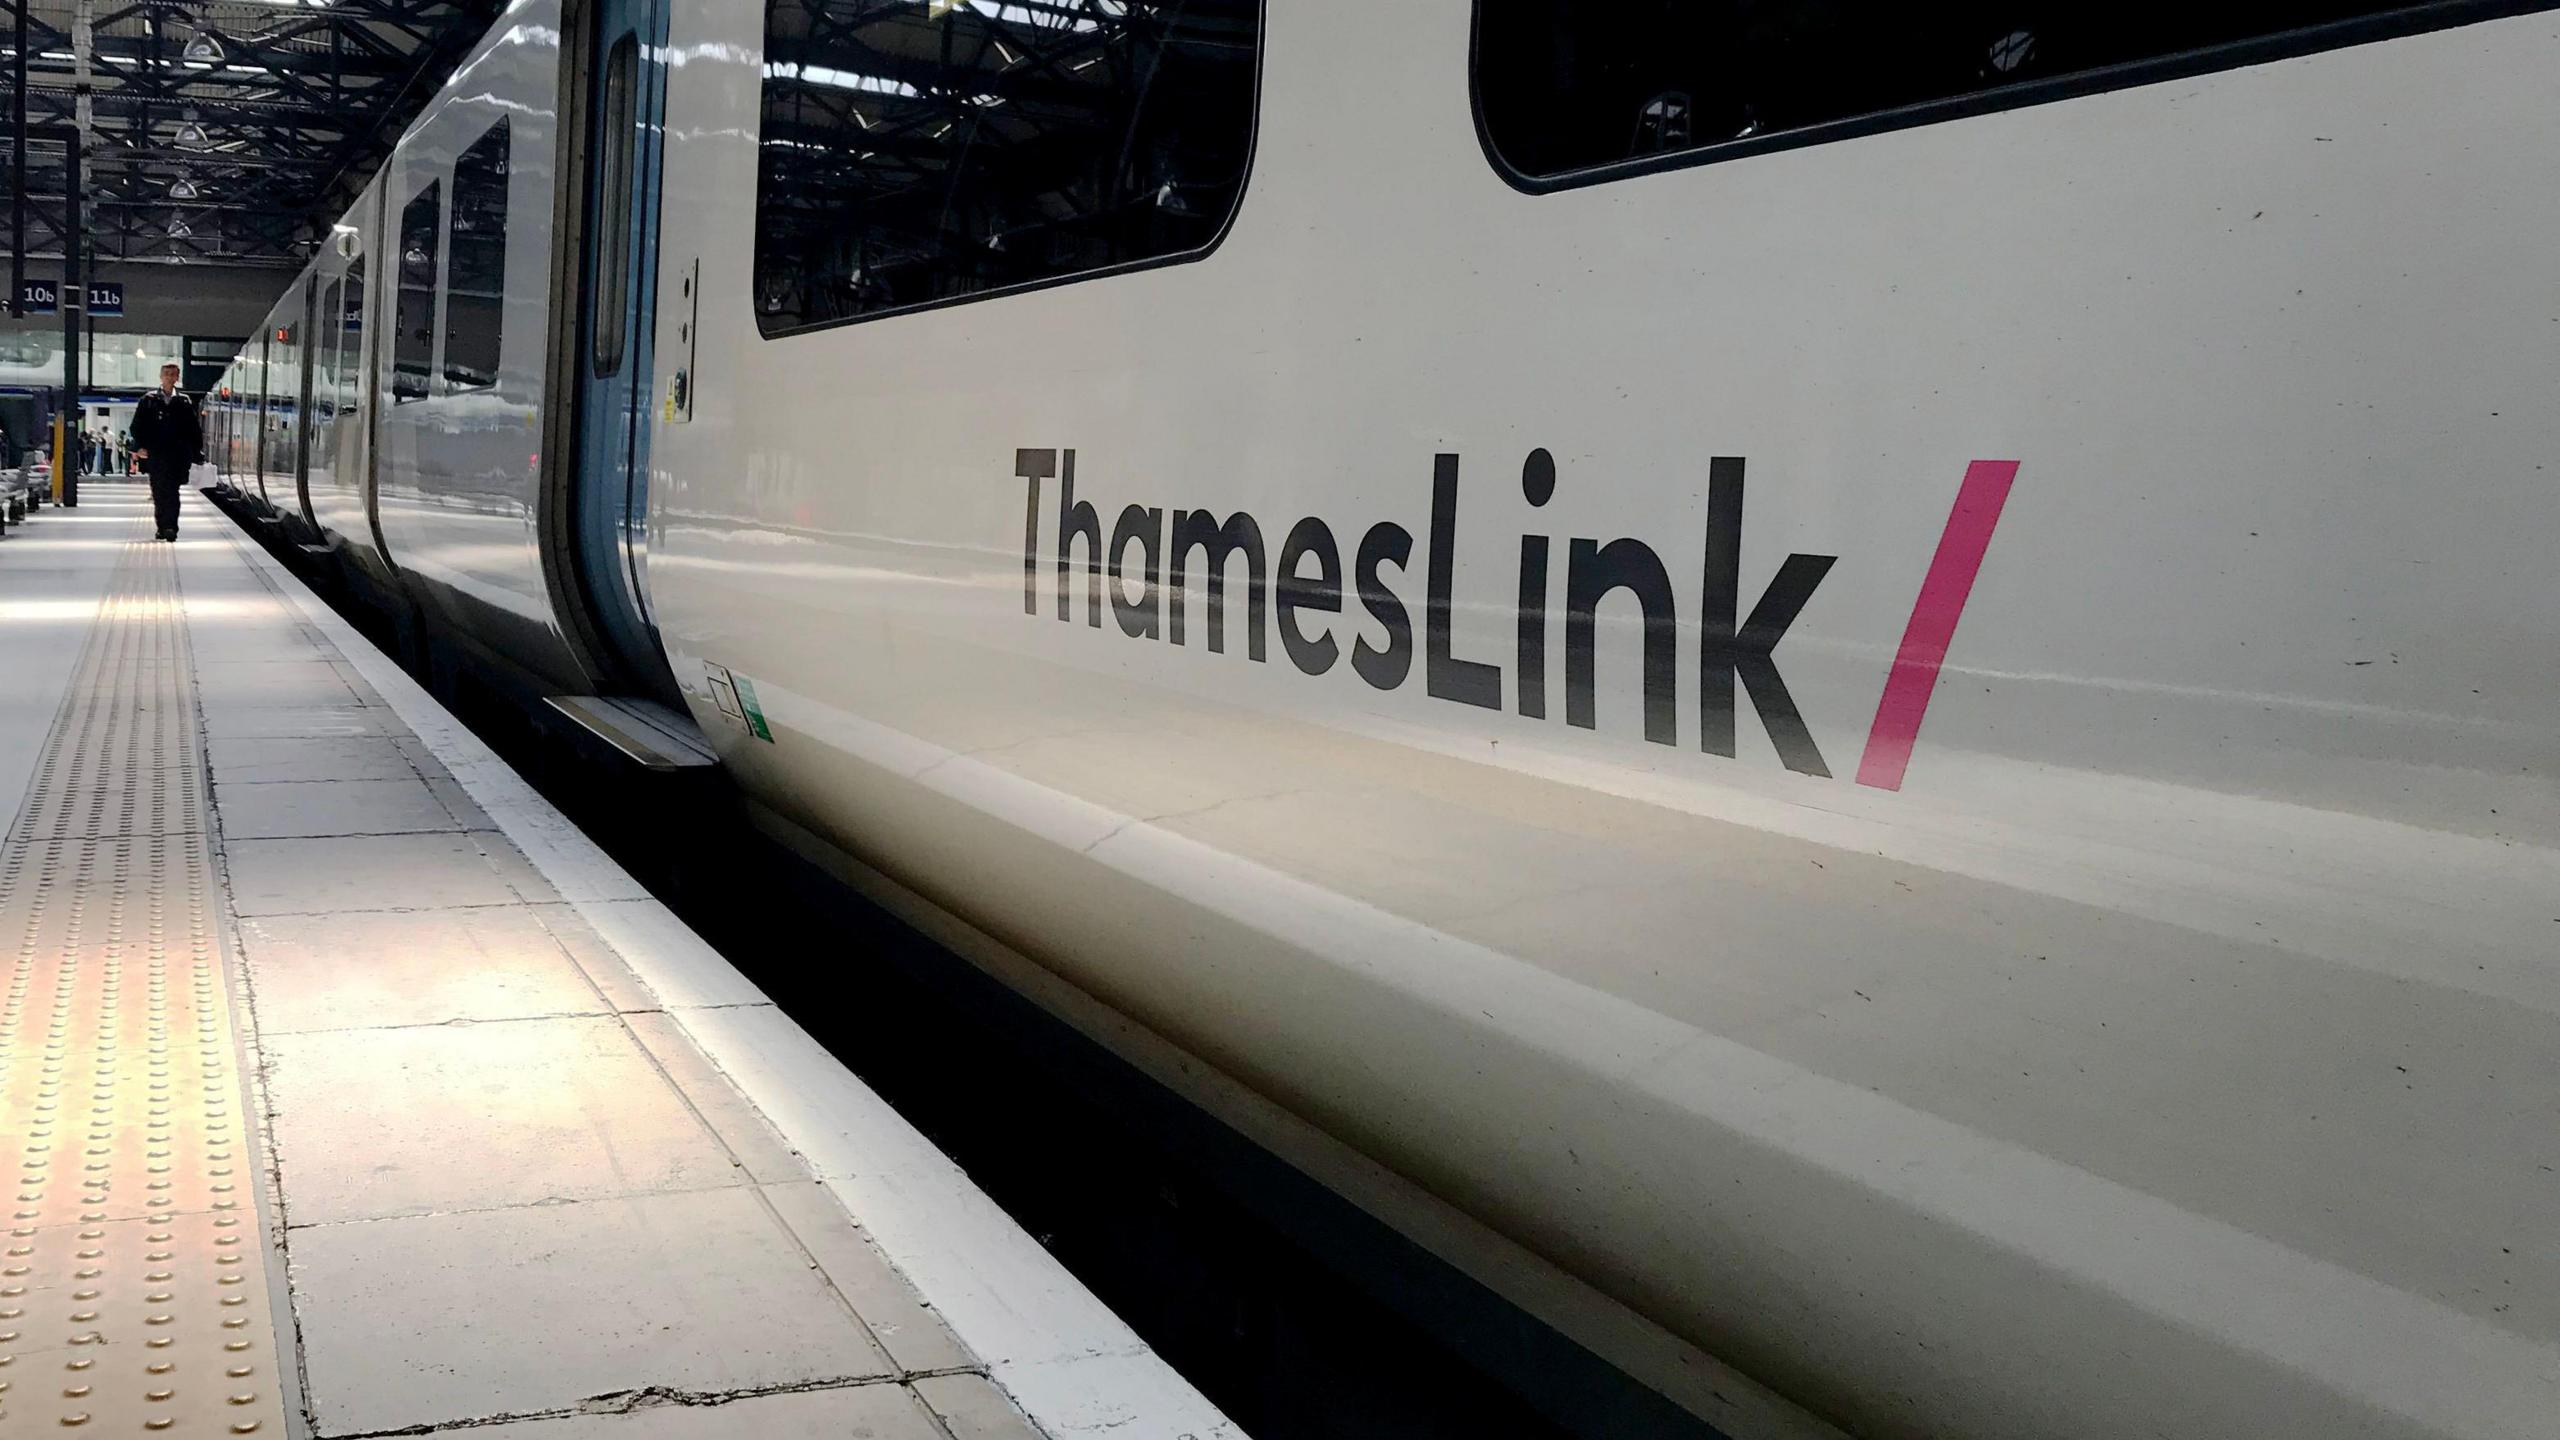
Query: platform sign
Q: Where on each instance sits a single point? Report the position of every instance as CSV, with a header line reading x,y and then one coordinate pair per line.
x,y
106,298
42,297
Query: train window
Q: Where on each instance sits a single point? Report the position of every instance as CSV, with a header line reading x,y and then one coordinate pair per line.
x,y
324,353
1569,91
476,272
918,154
612,290
351,327
258,456
413,321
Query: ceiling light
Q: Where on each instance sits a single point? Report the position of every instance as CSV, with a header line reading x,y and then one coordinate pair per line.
x,y
205,46
191,135
179,229
182,188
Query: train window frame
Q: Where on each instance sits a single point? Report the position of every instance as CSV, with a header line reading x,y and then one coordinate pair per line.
x,y
431,194
2411,19
501,130
1226,225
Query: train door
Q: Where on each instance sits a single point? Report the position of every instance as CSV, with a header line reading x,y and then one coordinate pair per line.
x,y
608,501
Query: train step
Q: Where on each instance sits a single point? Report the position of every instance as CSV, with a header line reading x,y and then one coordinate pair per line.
x,y
650,734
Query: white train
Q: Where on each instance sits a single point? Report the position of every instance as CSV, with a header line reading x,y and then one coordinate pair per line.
x,y
2042,922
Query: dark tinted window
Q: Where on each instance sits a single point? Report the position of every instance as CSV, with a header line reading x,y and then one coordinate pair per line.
x,y
1571,85
476,274
613,214
413,335
915,153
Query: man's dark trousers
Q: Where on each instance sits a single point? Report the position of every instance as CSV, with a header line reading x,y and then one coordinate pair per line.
x,y
165,484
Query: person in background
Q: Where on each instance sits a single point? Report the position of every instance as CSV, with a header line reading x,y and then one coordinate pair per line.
x,y
167,438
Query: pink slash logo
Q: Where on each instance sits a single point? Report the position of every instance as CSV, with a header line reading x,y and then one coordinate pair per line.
x,y
1933,622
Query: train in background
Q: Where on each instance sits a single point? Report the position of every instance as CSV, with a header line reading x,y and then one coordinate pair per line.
x,y
1862,704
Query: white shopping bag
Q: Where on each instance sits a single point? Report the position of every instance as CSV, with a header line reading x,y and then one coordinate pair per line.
x,y
201,475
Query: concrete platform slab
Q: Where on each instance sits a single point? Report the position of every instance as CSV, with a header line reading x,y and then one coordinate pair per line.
x,y
411,967
364,872
287,809
244,760
227,685
291,721
477,1116
438,1319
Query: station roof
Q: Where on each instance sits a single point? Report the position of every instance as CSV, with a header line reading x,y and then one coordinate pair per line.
x,y
230,132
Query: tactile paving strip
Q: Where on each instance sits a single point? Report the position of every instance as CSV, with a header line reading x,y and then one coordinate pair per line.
x,y
133,1288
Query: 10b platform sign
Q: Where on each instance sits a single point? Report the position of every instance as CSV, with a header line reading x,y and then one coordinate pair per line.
x,y
44,297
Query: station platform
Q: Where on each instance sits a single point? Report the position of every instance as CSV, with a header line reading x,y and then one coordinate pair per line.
x,y
350,1091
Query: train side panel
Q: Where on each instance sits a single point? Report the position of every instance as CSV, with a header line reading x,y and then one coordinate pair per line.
x,y
459,462
2143,1026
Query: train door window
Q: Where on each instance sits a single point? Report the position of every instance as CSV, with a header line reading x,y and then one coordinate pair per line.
x,y
324,354
476,270
413,322
258,455
914,155
1569,91
350,322
613,269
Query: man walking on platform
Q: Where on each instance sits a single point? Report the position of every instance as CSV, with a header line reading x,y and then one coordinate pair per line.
x,y
167,438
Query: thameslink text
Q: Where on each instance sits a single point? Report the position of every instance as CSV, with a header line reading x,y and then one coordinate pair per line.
x,y
1308,582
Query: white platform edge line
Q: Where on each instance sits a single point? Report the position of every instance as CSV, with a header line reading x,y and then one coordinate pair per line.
x,y
1074,1367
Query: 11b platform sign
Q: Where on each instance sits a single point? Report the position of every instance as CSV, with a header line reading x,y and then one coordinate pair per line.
x,y
44,297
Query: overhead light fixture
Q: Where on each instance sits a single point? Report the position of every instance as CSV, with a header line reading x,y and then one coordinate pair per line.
x,y
191,135
179,229
205,46
182,188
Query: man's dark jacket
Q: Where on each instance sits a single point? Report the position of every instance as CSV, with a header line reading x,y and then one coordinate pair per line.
x,y
167,427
